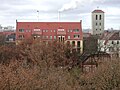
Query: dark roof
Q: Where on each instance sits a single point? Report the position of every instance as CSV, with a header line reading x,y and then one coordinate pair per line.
x,y
116,36
111,35
98,11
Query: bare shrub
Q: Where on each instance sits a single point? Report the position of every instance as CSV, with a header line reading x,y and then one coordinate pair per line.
x,y
42,66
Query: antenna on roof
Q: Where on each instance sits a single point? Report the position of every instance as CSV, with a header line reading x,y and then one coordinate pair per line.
x,y
38,15
97,7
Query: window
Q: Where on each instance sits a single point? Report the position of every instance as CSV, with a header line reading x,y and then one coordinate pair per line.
x,y
78,43
76,36
63,39
100,29
21,36
100,24
117,42
54,37
43,30
59,39
51,30
112,42
96,29
70,30
35,37
61,30
46,37
76,30
100,17
27,30
73,43
46,30
96,17
50,37
38,36
54,30
68,37
21,30
96,24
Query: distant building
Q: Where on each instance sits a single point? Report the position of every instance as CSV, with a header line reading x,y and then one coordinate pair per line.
x,y
97,22
0,27
7,28
110,42
68,32
10,36
8,32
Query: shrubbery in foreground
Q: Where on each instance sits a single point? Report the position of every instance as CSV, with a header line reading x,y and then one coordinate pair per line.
x,y
43,67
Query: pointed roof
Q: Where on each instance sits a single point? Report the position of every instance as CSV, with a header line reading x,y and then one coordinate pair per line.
x,y
98,11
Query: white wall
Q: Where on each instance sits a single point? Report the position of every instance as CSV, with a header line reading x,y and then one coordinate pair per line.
x,y
109,45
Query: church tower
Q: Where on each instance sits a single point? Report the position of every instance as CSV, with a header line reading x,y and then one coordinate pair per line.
x,y
97,22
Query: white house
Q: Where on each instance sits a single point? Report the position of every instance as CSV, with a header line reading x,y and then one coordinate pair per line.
x,y
110,42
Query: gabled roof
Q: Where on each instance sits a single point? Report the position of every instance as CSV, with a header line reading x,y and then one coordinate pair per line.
x,y
98,11
116,36
112,35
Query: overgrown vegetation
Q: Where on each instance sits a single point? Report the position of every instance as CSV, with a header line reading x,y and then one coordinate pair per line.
x,y
45,67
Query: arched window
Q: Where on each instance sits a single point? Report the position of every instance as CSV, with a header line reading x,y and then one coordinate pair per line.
x,y
96,24
78,43
117,42
96,17
112,42
59,39
73,43
100,17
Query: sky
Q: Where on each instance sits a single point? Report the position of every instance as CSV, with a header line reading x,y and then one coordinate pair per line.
x,y
70,10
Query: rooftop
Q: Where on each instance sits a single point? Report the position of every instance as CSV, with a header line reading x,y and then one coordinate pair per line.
x,y
98,11
111,35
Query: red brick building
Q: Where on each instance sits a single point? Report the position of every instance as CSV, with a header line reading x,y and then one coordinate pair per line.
x,y
68,32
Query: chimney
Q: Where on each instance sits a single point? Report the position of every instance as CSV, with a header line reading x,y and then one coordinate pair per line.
x,y
81,21
16,20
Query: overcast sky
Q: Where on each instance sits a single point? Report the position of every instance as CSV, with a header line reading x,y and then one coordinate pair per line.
x,y
71,10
